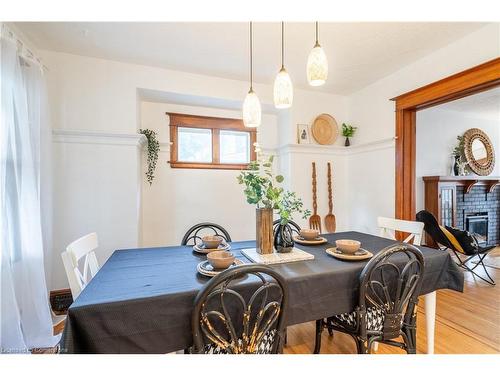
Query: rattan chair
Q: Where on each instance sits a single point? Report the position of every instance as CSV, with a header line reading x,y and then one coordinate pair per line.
x,y
240,311
446,240
195,233
387,303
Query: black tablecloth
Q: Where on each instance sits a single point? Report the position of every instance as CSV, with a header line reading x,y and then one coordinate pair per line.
x,y
141,299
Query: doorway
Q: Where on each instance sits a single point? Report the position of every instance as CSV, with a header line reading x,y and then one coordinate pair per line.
x,y
468,82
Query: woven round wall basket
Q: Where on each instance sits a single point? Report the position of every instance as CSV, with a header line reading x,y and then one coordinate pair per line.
x,y
324,129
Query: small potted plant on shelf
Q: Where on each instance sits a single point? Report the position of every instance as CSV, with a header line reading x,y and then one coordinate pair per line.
x,y
262,189
348,132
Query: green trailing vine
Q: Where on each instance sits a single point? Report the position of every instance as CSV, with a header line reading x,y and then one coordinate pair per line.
x,y
153,150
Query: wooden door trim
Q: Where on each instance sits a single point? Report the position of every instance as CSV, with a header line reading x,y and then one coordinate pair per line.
x,y
468,82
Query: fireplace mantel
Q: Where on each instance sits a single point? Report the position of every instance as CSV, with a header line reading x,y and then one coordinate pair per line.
x,y
467,181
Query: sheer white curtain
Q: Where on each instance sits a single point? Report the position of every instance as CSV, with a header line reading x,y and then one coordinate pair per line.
x,y
26,320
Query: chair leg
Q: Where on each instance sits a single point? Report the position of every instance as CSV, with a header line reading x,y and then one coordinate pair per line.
x,y
361,346
491,281
371,344
430,320
409,339
329,327
481,257
319,330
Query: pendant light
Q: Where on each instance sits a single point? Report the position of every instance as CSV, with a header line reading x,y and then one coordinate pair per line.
x,y
252,112
283,88
317,64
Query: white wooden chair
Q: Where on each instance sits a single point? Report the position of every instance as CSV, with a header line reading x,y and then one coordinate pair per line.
x,y
81,248
389,226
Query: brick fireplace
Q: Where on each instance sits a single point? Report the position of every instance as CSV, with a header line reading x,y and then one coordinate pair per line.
x,y
477,210
467,202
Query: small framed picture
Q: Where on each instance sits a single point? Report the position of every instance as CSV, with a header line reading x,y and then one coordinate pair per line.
x,y
303,134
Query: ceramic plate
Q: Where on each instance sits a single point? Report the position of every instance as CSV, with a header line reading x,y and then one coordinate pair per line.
x,y
207,270
324,129
203,250
302,241
361,254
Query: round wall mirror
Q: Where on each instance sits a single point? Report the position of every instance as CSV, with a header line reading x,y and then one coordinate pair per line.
x,y
479,152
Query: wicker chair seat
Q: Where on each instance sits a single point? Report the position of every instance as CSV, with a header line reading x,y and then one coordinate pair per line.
x,y
265,345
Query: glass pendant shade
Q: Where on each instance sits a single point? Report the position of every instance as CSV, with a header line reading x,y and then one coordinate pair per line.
x,y
252,111
317,66
283,90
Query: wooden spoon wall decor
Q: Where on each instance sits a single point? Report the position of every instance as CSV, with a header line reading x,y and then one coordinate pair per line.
x,y
330,222
314,220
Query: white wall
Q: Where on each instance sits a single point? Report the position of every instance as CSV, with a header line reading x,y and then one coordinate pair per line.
x,y
95,190
372,111
94,100
179,198
297,166
98,178
437,133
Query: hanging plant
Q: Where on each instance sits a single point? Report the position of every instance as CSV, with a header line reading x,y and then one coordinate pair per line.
x,y
153,150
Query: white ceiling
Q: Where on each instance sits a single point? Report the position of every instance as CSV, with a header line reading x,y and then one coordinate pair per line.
x,y
485,105
358,53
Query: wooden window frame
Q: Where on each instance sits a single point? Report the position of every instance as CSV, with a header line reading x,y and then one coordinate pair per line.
x,y
215,124
465,83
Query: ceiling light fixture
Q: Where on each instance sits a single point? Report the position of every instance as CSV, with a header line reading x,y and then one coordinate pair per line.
x,y
283,88
317,64
252,111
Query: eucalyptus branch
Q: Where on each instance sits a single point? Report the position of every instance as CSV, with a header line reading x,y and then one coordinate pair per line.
x,y
262,189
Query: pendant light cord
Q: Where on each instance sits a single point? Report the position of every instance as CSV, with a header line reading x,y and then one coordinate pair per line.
x,y
282,45
317,32
251,57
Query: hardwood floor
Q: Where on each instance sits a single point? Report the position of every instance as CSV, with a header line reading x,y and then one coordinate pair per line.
x,y
467,322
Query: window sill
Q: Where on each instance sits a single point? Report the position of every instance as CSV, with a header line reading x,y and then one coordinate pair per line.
x,y
188,165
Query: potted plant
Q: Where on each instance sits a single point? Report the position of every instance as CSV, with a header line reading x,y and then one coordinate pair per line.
x,y
459,166
348,131
262,189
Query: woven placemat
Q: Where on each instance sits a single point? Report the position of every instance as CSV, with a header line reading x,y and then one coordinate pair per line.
x,y
296,255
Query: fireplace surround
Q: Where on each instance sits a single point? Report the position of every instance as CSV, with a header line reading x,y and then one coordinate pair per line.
x,y
467,202
476,223
481,210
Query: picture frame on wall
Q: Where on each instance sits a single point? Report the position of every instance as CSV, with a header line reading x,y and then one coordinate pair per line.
x,y
303,135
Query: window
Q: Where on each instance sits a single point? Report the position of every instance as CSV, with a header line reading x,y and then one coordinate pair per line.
x,y
234,147
210,142
194,145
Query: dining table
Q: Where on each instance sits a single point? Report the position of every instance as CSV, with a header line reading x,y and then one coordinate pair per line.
x,y
141,300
